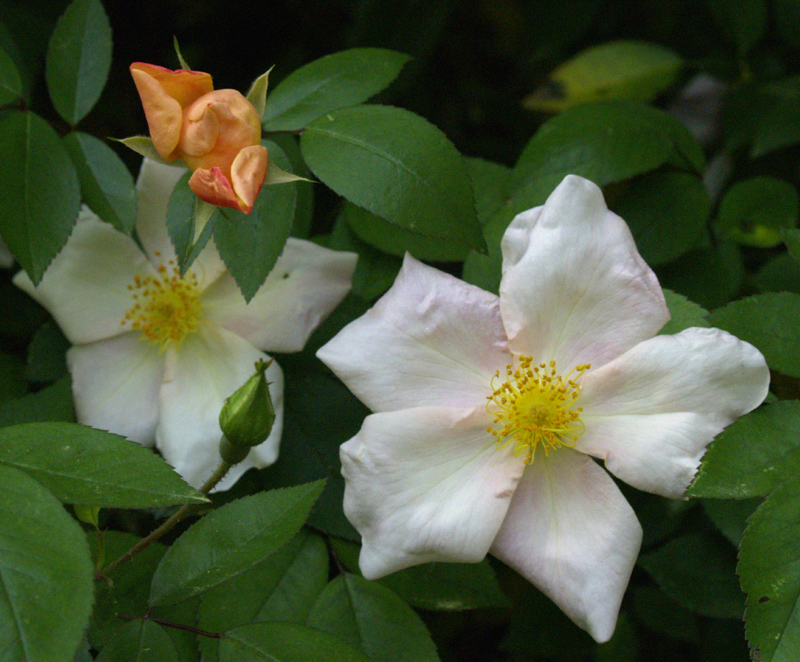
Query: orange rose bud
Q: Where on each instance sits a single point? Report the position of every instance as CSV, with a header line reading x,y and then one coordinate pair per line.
x,y
217,133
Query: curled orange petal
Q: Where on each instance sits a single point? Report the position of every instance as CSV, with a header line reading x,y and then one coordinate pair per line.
x,y
211,185
248,172
164,114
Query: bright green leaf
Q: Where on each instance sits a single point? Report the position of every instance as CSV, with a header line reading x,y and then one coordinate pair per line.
x,y
183,210
667,213
755,211
398,166
283,588
93,467
45,574
284,642
40,195
78,59
250,244
769,567
10,82
699,572
753,455
231,540
614,70
139,641
106,183
770,322
335,81
372,619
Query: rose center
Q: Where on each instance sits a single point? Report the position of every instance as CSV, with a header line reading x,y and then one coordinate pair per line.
x,y
166,307
535,406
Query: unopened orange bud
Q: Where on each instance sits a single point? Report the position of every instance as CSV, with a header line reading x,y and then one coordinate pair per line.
x,y
217,133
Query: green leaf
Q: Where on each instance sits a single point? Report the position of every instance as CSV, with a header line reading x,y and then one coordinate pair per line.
x,y
47,351
752,456
129,587
398,166
730,516
183,210
769,567
605,142
662,614
791,236
257,94
699,572
684,314
45,574
448,586
770,322
283,588
106,183
397,241
139,641
78,59
667,213
755,211
743,20
10,82
12,382
375,271
53,403
250,244
615,70
312,398
231,540
284,642
40,196
93,467
490,181
373,619
780,273
709,276
777,126
335,81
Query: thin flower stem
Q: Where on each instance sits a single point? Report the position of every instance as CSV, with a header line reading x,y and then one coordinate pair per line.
x,y
182,512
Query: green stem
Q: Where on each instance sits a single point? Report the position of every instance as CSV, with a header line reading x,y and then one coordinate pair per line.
x,y
182,512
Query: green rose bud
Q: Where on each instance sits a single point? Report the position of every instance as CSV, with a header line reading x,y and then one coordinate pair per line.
x,y
247,416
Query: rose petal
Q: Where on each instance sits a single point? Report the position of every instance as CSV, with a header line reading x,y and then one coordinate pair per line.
x,y
430,340
183,85
248,172
651,412
571,533
213,186
164,114
208,367
115,385
426,484
85,288
306,284
200,130
574,288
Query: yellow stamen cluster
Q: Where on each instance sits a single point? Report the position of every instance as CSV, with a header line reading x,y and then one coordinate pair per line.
x,y
536,406
166,307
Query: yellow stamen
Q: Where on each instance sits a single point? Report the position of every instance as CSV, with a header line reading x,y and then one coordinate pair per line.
x,y
166,307
535,406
